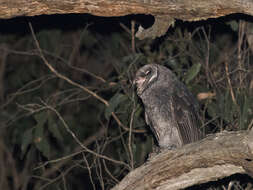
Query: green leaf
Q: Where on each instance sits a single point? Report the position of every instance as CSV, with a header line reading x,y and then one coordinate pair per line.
x,y
212,109
234,25
138,111
53,128
26,140
39,129
40,140
113,104
44,147
49,40
41,118
227,113
192,72
244,113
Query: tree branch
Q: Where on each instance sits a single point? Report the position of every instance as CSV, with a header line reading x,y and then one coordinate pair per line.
x,y
181,9
164,11
213,158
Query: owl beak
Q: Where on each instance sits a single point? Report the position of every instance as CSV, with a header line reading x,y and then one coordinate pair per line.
x,y
138,82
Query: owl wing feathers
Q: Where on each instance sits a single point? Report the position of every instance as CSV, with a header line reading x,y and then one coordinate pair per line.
x,y
149,123
185,116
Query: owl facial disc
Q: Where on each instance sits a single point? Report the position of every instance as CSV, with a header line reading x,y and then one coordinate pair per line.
x,y
145,77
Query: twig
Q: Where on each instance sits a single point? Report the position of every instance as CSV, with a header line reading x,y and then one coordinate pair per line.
x,y
250,125
109,173
133,35
130,135
98,169
55,179
208,73
71,133
22,90
76,84
241,33
125,28
89,171
62,76
3,58
79,142
229,83
88,141
74,67
58,160
74,53
87,72
64,181
230,185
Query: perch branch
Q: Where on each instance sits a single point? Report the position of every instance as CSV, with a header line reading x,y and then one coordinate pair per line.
x,y
212,158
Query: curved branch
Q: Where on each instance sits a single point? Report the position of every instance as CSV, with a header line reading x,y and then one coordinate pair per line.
x,y
213,158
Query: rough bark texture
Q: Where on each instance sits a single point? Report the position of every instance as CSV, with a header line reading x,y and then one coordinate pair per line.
x,y
164,11
213,158
181,9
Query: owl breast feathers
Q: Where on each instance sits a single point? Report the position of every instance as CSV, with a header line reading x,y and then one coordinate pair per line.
x,y
171,111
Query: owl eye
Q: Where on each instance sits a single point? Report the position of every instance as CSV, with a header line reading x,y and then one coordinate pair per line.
x,y
147,72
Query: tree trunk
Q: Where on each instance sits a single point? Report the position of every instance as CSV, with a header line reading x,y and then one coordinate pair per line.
x,y
213,158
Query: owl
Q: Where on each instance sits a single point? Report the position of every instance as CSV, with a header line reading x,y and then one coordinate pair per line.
x,y
171,110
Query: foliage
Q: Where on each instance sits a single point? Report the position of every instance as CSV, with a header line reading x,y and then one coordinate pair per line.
x,y
60,135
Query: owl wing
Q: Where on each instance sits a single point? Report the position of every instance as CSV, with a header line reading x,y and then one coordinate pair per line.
x,y
185,114
149,123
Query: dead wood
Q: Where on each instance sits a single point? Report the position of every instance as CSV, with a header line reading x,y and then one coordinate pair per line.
x,y
181,9
164,11
213,158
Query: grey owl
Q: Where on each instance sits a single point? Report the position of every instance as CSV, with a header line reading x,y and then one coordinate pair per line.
x,y
171,111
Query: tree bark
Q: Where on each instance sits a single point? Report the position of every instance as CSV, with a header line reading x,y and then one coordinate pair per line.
x,y
212,158
164,11
181,9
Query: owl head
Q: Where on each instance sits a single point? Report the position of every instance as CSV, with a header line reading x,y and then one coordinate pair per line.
x,y
153,75
145,77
